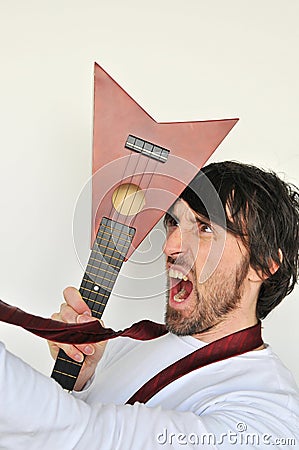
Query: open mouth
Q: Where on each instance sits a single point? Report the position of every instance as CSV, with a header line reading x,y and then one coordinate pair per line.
x,y
180,286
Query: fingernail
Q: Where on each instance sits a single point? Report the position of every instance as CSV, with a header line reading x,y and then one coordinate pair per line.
x,y
89,350
83,318
79,357
87,313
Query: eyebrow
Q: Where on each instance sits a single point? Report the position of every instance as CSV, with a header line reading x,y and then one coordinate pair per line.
x,y
198,217
203,219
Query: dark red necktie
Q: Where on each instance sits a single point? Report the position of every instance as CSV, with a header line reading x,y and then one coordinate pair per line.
x,y
232,345
82,333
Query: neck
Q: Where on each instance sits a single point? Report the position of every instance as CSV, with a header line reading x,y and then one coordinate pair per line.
x,y
243,316
225,327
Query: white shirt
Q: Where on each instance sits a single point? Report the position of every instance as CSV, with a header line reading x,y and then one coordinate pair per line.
x,y
251,398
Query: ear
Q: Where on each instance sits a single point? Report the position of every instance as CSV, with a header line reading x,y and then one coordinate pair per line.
x,y
273,267
256,276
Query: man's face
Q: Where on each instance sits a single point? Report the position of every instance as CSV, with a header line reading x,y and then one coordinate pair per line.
x,y
207,269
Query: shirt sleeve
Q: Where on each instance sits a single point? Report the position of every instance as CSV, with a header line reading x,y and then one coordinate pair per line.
x,y
36,413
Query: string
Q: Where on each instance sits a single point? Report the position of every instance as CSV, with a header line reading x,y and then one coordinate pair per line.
x,y
143,172
150,180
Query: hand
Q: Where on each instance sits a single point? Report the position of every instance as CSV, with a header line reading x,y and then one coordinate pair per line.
x,y
75,310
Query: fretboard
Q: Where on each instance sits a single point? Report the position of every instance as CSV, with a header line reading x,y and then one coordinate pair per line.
x,y
109,250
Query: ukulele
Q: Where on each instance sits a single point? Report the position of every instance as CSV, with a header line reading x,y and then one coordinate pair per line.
x,y
140,167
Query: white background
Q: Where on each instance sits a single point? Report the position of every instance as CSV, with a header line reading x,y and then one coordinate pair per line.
x,y
191,60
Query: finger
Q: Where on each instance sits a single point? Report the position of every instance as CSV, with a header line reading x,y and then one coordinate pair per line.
x,y
72,352
73,298
76,352
55,316
83,318
87,349
68,314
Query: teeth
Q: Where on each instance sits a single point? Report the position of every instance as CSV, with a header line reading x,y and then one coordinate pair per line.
x,y
177,274
179,297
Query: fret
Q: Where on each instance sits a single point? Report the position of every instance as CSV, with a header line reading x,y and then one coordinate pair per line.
x,y
118,243
106,272
93,301
102,295
99,255
99,281
109,251
94,287
106,268
65,374
104,264
96,312
91,291
147,148
93,277
118,237
101,270
91,297
94,295
66,371
122,232
113,257
98,309
73,362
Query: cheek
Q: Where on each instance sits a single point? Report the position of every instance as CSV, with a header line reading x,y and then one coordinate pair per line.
x,y
209,259
234,252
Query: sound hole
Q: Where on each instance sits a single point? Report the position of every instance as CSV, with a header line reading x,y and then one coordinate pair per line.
x,y
128,199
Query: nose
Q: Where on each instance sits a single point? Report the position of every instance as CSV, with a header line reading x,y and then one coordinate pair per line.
x,y
173,244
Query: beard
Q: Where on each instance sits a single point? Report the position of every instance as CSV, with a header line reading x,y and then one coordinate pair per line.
x,y
214,299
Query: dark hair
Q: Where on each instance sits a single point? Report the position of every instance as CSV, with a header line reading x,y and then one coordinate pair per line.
x,y
264,211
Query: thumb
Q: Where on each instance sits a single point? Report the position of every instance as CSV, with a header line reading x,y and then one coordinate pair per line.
x,y
83,318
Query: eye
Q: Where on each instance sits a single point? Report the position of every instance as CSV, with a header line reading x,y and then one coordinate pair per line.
x,y
170,221
204,227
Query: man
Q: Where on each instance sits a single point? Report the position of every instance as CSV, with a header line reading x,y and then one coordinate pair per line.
x,y
228,267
